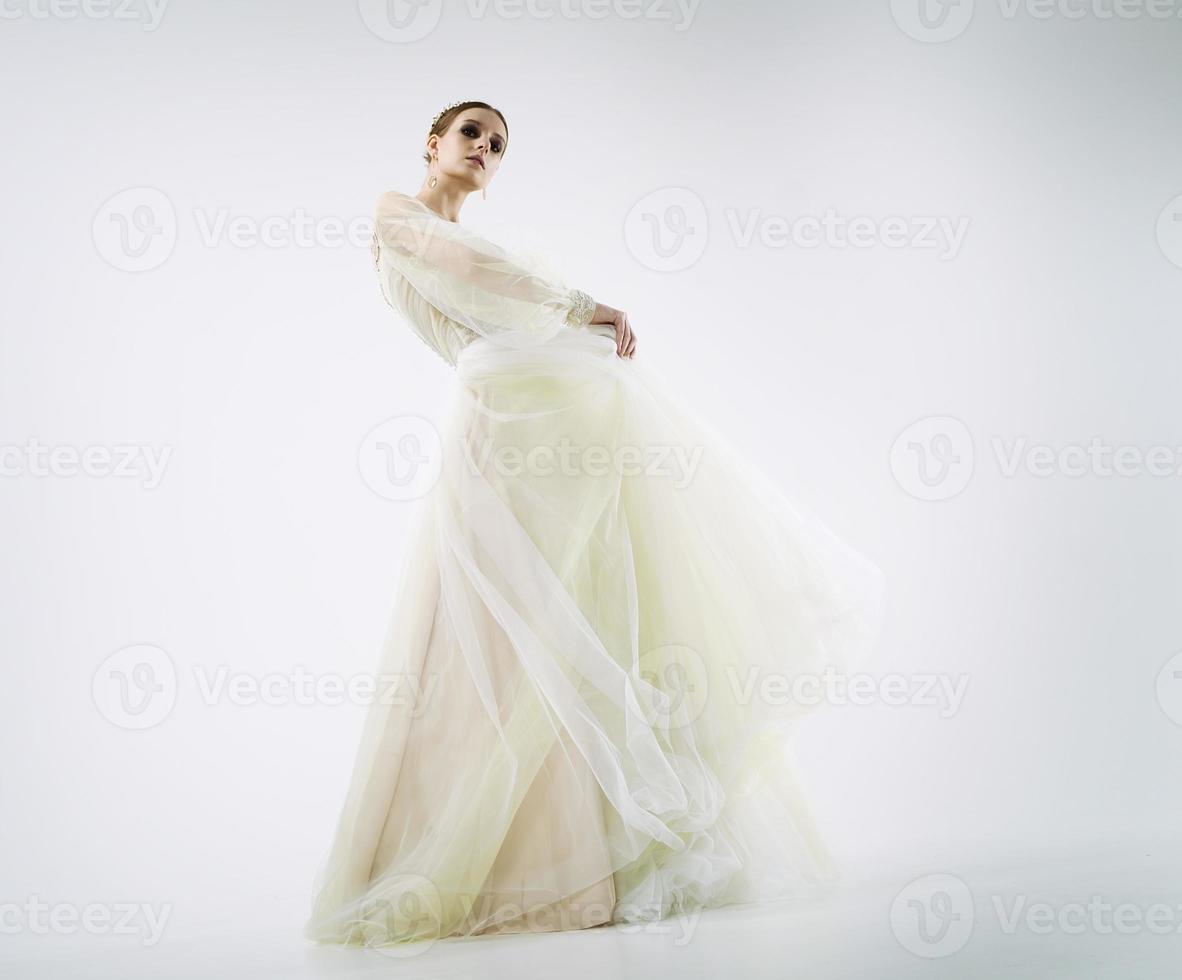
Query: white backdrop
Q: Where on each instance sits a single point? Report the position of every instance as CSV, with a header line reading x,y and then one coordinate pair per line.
x,y
188,301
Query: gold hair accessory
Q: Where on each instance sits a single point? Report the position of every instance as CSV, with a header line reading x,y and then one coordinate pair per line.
x,y
450,105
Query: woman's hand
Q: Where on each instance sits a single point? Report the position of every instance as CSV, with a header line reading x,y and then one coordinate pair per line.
x,y
625,336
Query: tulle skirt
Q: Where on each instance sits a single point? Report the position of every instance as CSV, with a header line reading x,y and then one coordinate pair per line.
x,y
597,598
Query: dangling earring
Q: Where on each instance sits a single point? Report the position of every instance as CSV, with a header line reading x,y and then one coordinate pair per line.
x,y
432,181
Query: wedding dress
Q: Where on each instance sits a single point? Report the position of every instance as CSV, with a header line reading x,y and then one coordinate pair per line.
x,y
591,636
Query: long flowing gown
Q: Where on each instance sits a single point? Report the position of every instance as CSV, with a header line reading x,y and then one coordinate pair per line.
x,y
596,594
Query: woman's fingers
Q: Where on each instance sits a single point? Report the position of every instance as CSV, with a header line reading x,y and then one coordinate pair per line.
x,y
625,337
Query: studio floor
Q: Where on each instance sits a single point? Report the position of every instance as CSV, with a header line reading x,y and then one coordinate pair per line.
x,y
1099,913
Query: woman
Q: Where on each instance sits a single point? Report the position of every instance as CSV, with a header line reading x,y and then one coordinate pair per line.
x,y
597,597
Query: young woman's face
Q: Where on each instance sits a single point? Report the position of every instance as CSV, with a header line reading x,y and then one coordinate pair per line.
x,y
471,149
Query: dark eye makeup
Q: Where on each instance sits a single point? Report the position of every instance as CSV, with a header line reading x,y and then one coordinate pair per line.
x,y
471,130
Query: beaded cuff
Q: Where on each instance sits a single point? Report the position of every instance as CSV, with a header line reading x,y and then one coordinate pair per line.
x,y
582,308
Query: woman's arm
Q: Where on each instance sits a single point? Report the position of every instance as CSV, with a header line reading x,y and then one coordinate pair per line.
x,y
471,280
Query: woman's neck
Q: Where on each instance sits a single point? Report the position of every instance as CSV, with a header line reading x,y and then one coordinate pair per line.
x,y
445,203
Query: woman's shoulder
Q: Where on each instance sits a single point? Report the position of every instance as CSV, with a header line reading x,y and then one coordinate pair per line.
x,y
396,199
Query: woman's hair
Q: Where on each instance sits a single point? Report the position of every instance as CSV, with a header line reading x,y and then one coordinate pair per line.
x,y
443,123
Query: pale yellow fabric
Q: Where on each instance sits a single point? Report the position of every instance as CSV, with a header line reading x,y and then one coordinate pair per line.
x,y
453,286
586,633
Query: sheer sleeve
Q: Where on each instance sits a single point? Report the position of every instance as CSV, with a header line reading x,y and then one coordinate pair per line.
x,y
471,280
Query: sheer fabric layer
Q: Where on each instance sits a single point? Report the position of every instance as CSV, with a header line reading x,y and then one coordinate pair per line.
x,y
452,286
594,595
